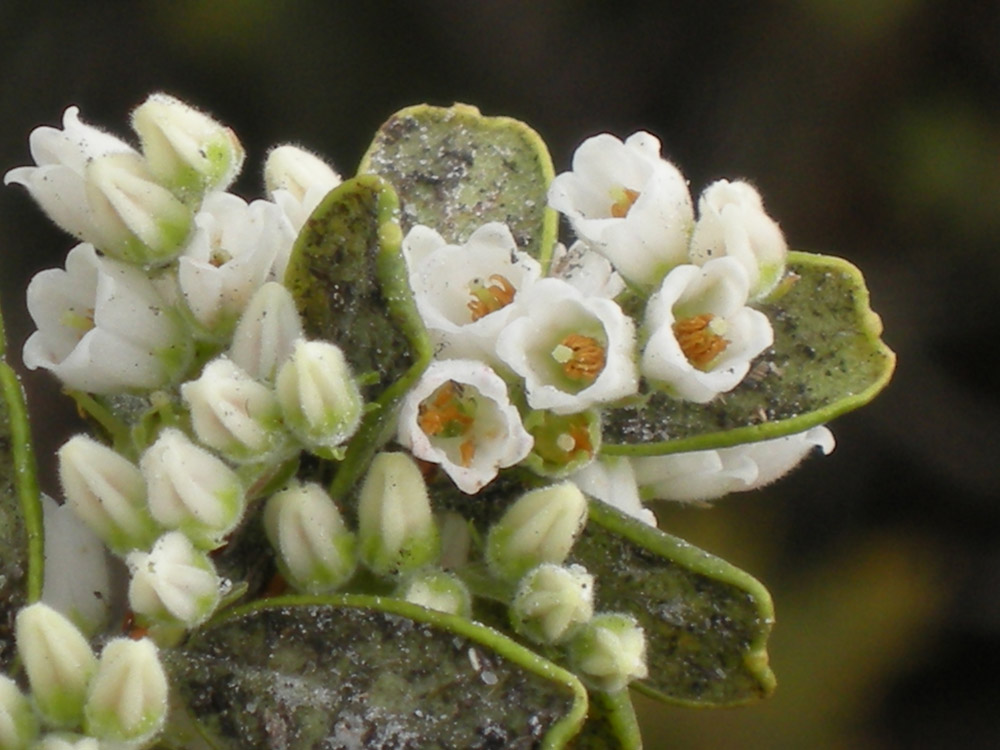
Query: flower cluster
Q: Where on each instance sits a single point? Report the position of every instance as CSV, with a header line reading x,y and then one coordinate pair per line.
x,y
172,327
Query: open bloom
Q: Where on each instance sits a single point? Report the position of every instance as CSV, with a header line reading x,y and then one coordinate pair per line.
x,y
297,180
702,334
700,476
589,271
573,351
231,254
630,204
732,222
102,326
459,416
465,293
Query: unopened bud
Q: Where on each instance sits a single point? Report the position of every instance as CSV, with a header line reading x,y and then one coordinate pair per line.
x,y
135,218
316,550
187,150
107,492
58,661
396,531
173,583
438,590
551,601
267,331
320,400
609,652
191,490
234,414
299,172
18,724
127,700
540,527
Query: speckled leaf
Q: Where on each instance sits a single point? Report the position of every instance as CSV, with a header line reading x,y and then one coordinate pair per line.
x,y
706,621
397,676
827,359
349,280
456,170
20,509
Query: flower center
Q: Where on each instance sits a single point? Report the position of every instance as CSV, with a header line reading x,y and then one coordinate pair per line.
x,y
488,298
81,322
450,413
623,199
700,338
581,357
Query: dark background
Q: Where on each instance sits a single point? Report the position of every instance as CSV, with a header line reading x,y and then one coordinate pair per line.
x,y
871,127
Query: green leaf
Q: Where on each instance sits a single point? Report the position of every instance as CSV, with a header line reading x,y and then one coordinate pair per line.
x,y
706,621
456,170
349,280
398,675
21,549
827,359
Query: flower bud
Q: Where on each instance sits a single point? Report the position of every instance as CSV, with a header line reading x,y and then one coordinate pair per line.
x,y
18,723
551,601
540,527
609,652
297,181
127,700
173,583
320,400
191,490
396,531
234,414
135,219
438,590
316,550
187,150
266,333
107,492
58,661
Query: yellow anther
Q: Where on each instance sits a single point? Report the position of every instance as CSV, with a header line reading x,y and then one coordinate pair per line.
x,y
699,341
488,298
624,198
581,357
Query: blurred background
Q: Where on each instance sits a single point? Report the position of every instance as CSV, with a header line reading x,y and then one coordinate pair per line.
x,y
871,127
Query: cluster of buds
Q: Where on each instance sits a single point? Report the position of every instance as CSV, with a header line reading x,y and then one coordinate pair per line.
x,y
77,699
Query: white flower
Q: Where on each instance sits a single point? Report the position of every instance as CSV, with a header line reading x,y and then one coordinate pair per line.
x,y
465,293
297,180
102,326
551,601
320,400
267,331
233,252
612,480
315,548
191,490
459,416
609,652
58,661
234,414
127,699
702,334
589,271
700,476
732,222
396,528
540,527
174,582
107,492
77,577
572,351
630,204
186,149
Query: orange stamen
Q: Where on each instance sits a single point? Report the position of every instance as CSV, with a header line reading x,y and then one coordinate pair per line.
x,y
488,298
581,357
443,411
626,199
467,451
698,342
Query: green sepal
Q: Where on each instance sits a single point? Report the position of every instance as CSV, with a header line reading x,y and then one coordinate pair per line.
x,y
706,622
350,284
827,359
455,170
264,675
21,529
